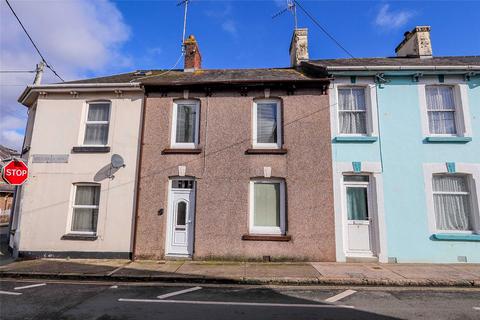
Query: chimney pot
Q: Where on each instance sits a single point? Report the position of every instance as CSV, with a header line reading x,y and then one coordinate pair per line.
x,y
193,58
416,43
299,47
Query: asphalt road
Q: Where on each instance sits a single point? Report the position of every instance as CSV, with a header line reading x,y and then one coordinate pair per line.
x,y
105,301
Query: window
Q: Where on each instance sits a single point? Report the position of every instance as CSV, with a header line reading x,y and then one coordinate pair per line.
x,y
85,208
452,202
267,207
96,128
267,127
185,124
441,110
352,110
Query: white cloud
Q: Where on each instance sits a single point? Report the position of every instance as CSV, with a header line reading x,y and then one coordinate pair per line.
x,y
389,19
230,27
78,38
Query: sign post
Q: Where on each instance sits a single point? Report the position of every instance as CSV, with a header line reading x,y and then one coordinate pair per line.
x,y
15,172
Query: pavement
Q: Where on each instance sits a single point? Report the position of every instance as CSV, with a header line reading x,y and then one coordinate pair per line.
x,y
108,300
315,273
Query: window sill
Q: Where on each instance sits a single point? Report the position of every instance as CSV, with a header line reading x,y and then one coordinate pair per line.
x,y
447,139
259,237
455,237
79,237
91,149
353,139
266,151
182,151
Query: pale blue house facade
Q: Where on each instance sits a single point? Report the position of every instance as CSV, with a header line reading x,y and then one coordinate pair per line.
x,y
406,155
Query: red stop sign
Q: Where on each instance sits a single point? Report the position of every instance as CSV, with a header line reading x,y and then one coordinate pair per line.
x,y
15,172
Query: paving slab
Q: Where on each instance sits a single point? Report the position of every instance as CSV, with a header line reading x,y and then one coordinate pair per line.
x,y
429,272
149,269
275,271
355,271
235,270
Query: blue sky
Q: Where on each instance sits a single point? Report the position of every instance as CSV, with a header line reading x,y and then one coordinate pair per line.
x,y
90,38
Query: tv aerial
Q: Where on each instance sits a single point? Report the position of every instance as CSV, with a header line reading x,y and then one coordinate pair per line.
x,y
185,3
291,6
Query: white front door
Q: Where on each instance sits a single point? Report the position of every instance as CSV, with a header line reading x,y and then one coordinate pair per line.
x,y
359,216
180,226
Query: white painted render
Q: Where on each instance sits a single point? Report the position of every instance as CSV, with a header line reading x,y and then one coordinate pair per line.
x,y
45,207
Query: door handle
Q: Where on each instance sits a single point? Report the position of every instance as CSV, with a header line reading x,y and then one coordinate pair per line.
x,y
189,221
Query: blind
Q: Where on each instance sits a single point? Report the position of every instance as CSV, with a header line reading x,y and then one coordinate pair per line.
x,y
186,122
266,205
267,123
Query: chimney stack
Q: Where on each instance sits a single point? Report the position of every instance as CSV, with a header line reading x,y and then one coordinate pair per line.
x,y
193,58
299,47
416,43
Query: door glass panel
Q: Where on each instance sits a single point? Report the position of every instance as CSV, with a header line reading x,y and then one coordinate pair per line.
x,y
182,184
357,208
181,213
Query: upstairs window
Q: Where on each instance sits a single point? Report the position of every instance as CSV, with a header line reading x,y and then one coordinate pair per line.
x,y
452,202
352,110
96,128
441,110
85,208
267,131
185,124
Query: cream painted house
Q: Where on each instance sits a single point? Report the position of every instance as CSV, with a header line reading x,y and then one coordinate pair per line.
x,y
82,149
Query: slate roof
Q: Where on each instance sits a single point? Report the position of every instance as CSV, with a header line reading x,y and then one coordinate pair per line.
x,y
397,61
7,152
173,77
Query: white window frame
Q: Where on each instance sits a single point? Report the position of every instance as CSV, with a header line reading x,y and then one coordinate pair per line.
x,y
279,143
173,134
358,184
87,122
472,173
460,96
370,102
267,230
73,207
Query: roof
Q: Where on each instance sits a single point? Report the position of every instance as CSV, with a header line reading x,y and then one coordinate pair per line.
x,y
6,153
400,61
204,76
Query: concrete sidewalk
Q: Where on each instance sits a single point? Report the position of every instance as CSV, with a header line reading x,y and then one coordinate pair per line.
x,y
316,273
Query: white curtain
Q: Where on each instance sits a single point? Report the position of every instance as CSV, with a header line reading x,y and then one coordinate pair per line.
x,y
186,122
85,219
266,205
267,123
352,110
441,110
97,133
451,202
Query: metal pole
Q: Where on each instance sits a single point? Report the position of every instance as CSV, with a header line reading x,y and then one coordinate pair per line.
x,y
39,74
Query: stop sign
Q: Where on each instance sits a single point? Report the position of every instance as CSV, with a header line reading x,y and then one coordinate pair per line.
x,y
15,172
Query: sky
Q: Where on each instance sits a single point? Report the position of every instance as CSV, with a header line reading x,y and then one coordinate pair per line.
x,y
89,38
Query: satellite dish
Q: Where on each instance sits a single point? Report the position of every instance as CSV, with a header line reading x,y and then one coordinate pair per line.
x,y
117,161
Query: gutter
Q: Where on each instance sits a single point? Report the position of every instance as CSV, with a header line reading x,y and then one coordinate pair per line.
x,y
400,68
82,87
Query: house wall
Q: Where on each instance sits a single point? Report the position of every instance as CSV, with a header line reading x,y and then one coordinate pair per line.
x,y
404,157
46,197
223,172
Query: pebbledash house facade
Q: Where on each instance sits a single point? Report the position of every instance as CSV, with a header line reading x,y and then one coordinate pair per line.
x,y
371,159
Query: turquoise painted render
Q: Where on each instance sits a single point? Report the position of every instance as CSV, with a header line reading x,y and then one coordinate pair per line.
x,y
456,237
403,153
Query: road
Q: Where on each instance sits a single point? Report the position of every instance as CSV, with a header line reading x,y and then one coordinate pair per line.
x,y
39,299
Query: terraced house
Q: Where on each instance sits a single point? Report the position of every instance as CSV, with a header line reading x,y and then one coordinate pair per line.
x,y
236,164
406,154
